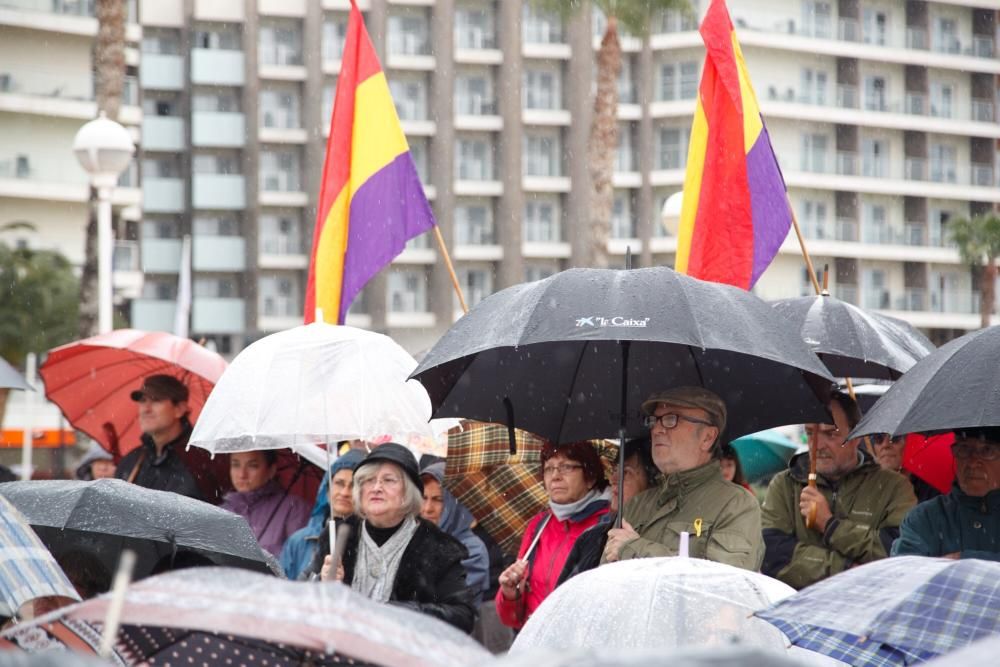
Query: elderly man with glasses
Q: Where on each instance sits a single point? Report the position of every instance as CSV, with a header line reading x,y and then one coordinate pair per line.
x,y
966,522
722,519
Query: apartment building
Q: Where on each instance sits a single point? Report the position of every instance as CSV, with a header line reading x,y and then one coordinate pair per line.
x,y
46,95
882,113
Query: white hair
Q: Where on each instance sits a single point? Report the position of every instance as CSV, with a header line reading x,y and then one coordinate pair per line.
x,y
413,499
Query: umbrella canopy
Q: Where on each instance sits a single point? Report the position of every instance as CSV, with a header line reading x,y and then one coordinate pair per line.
x,y
853,342
220,609
982,653
10,378
672,603
502,490
315,384
550,356
108,515
27,569
956,386
91,380
929,457
894,611
715,656
764,454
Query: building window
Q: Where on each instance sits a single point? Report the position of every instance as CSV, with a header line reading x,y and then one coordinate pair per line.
x,y
166,44
673,147
334,37
814,215
540,27
410,96
473,160
541,222
622,218
280,171
542,89
280,295
163,167
875,26
944,163
474,224
159,289
280,109
281,43
473,95
216,287
678,81
626,84
625,153
329,94
477,284
676,20
875,93
814,86
542,156
816,18
533,272
946,36
814,153
281,234
159,228
222,39
216,225
409,35
216,163
874,159
418,152
942,95
474,28
407,291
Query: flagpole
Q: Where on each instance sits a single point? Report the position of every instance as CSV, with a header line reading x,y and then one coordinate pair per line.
x,y
451,268
802,245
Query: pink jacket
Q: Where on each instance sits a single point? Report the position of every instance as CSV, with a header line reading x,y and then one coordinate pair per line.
x,y
550,556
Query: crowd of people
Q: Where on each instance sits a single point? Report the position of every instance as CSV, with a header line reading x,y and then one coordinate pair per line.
x,y
411,543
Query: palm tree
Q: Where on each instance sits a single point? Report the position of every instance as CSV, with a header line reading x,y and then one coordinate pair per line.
x,y
109,68
978,242
635,17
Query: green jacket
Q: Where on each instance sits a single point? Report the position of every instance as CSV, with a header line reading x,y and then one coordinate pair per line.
x,y
730,519
868,505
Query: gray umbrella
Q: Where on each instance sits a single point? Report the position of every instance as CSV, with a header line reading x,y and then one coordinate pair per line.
x,y
10,378
853,342
552,356
165,529
956,386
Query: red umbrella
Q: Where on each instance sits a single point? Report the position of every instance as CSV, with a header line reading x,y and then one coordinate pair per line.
x,y
91,380
930,459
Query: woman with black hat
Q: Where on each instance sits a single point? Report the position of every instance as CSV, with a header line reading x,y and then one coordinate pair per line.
x,y
394,556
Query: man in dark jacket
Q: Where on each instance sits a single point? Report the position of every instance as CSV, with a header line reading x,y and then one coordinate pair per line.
x,y
858,506
163,418
966,522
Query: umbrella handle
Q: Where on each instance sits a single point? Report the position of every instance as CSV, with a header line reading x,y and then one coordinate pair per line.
x,y
811,516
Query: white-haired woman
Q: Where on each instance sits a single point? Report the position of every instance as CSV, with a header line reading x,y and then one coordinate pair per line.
x,y
395,556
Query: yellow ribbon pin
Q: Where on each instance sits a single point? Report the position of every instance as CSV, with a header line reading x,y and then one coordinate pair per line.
x,y
697,527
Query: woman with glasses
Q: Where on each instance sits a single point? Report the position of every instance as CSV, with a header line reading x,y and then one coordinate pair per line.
x,y
574,481
965,523
393,555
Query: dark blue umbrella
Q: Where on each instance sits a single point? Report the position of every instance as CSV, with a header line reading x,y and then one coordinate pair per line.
x,y
896,611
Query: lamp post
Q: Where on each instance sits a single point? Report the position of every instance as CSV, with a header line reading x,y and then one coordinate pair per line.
x,y
104,148
670,214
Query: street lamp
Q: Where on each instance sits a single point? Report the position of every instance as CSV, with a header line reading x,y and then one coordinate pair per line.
x,y
670,214
104,149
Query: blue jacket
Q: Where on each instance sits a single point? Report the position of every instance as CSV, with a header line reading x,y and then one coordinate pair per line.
x,y
456,520
952,523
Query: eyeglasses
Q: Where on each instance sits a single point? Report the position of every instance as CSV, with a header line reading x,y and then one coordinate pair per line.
x,y
562,468
385,481
669,420
963,451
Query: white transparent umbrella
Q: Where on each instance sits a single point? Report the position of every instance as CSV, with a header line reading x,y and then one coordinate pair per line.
x,y
666,604
316,384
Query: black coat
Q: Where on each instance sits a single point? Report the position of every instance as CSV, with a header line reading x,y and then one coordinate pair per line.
x,y
587,550
164,473
430,579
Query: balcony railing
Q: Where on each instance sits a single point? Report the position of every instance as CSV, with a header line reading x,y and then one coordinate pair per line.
x,y
877,298
982,110
913,299
884,234
914,233
849,30
983,46
916,38
916,104
281,244
982,174
955,301
62,7
847,96
847,163
848,293
126,256
915,169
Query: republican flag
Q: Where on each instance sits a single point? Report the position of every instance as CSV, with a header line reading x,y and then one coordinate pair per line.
x,y
371,201
735,213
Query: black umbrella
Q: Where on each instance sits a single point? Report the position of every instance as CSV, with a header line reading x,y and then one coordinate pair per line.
x,y
956,386
553,356
97,520
853,342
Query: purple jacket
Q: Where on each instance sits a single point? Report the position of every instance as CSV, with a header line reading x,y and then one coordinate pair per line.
x,y
256,507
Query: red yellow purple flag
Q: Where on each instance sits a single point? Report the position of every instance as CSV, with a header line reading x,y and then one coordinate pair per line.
x,y
735,213
371,201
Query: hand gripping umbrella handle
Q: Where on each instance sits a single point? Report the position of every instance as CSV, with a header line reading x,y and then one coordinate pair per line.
x,y
811,516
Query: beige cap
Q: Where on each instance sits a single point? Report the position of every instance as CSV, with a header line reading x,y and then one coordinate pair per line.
x,y
690,397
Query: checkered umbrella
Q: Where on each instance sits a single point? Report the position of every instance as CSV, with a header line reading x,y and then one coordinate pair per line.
x,y
897,611
27,568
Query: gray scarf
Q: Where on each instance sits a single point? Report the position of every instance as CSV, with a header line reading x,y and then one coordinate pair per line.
x,y
376,567
564,511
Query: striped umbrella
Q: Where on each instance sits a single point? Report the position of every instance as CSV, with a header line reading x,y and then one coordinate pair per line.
x,y
27,568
